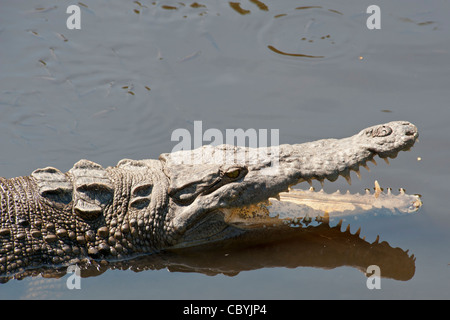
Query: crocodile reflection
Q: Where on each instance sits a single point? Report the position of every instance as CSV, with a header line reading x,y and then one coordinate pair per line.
x,y
321,246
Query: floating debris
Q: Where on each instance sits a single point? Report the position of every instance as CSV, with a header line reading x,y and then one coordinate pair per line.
x,y
169,7
33,33
425,23
335,11
260,5
308,7
197,5
191,56
41,9
237,7
293,54
62,37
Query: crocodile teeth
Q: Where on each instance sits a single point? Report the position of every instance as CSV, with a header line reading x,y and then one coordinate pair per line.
x,y
321,181
277,197
378,189
377,240
349,179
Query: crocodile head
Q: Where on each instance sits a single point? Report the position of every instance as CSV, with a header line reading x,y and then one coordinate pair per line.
x,y
208,184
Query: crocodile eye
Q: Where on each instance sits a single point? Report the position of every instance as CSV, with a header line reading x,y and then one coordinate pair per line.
x,y
382,131
233,174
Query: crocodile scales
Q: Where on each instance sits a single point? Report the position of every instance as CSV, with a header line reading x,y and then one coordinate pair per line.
x,y
51,218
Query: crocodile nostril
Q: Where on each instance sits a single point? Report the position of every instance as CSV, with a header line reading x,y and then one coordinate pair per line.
x,y
410,129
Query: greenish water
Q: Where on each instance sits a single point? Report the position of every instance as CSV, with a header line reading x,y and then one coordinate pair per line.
x,y
136,71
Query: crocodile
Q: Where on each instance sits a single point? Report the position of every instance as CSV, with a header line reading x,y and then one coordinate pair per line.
x,y
182,199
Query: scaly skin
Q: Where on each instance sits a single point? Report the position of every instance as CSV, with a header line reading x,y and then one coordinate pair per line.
x,y
183,199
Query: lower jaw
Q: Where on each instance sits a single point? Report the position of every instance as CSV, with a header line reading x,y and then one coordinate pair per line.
x,y
307,207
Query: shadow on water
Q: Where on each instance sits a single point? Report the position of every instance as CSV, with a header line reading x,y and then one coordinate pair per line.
x,y
319,247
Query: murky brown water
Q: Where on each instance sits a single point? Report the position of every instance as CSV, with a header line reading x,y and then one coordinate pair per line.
x,y
136,71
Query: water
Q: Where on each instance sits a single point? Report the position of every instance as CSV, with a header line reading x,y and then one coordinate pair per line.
x,y
136,71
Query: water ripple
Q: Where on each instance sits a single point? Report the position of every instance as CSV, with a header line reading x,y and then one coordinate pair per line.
x,y
312,32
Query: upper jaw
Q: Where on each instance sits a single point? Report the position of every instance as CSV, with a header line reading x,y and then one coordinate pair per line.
x,y
337,157
385,140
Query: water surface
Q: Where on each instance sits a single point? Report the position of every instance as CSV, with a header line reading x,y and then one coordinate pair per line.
x,y
138,70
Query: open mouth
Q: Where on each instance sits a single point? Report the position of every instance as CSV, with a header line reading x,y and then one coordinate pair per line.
x,y
303,208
